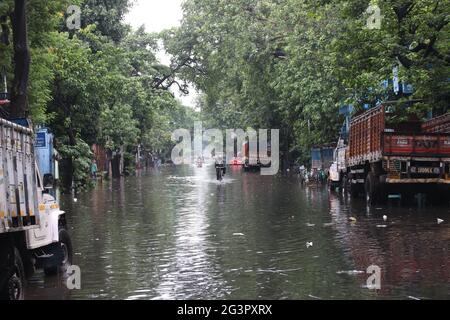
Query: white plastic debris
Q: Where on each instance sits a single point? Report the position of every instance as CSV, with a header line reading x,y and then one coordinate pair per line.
x,y
439,221
385,218
310,225
238,234
352,219
309,244
350,272
75,200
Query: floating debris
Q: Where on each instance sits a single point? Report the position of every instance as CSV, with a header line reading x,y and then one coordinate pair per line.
x,y
75,200
381,226
350,272
238,234
385,217
310,225
352,219
439,221
314,297
328,224
413,298
309,244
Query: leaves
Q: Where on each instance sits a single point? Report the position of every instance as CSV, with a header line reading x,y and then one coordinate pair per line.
x,y
290,64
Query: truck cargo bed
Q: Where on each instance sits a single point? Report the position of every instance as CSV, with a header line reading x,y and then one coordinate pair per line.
x,y
371,138
18,198
430,145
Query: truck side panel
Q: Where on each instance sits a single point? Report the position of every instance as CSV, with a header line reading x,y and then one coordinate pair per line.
x,y
424,145
438,125
365,136
18,200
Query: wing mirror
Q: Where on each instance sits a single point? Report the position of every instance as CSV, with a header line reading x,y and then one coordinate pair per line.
x,y
49,181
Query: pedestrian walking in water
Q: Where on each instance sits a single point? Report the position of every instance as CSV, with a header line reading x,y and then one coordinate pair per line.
x,y
94,169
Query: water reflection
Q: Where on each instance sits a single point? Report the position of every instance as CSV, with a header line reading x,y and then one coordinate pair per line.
x,y
177,233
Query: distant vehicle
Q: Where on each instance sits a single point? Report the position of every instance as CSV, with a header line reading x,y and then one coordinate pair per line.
x,y
390,156
338,168
199,162
236,161
33,229
255,159
322,158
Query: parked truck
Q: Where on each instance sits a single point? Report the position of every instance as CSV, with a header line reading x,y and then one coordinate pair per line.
x,y
33,230
338,168
322,158
387,155
255,158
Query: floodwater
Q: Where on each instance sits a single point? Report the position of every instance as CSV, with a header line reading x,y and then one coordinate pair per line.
x,y
177,233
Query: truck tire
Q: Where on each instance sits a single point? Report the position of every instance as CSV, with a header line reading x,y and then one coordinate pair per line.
x,y
372,189
407,198
341,182
15,284
353,188
382,193
66,246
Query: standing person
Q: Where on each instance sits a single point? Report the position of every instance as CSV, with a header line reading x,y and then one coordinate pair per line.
x,y
94,169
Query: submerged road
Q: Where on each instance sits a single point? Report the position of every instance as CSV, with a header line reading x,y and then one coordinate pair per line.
x,y
177,233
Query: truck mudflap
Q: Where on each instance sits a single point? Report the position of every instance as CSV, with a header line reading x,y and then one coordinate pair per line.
x,y
49,256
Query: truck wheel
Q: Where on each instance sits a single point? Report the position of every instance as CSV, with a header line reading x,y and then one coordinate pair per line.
x,y
341,183
438,198
371,188
407,198
66,246
382,194
354,189
15,285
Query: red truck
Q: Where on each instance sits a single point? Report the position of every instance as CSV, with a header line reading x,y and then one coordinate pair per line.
x,y
388,155
255,159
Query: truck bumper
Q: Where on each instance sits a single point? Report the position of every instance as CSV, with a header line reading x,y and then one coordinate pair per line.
x,y
418,181
49,256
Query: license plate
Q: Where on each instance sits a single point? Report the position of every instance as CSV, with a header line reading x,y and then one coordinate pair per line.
x,y
425,170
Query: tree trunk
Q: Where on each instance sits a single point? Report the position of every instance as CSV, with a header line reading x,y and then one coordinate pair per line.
x,y
18,108
116,165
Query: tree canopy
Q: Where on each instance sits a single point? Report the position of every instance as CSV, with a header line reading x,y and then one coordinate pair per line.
x,y
101,84
291,64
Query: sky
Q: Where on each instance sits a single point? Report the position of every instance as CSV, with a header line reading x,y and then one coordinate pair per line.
x,y
158,15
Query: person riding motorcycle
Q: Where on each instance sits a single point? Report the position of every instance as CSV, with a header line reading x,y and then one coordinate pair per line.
x,y
220,167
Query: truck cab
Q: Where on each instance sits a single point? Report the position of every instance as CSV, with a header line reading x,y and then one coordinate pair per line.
x,y
338,168
33,229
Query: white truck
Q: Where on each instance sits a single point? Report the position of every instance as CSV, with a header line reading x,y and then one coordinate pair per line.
x,y
338,168
33,231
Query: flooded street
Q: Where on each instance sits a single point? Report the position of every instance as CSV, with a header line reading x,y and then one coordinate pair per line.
x,y
177,233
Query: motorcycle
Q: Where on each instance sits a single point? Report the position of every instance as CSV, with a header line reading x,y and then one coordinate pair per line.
x,y
220,171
